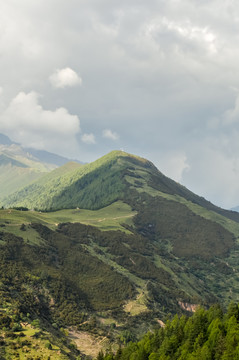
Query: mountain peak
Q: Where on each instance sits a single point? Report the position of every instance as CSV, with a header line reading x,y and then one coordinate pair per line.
x,y
121,153
117,154
5,140
91,186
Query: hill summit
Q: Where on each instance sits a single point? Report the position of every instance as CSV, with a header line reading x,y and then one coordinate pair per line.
x,y
90,186
102,182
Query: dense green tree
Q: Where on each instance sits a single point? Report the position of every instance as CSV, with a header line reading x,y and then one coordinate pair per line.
x,y
207,335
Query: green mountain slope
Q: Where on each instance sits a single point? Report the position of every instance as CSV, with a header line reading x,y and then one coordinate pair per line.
x,y
108,282
95,185
89,186
163,249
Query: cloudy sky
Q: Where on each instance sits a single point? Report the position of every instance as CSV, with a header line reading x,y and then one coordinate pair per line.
x,y
157,78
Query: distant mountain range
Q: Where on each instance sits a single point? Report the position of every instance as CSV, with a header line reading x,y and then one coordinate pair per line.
x,y
5,140
19,166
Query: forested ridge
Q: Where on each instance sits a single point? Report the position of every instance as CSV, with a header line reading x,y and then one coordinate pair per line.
x,y
207,335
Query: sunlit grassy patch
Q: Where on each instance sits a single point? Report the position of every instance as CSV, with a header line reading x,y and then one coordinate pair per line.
x,y
112,217
137,306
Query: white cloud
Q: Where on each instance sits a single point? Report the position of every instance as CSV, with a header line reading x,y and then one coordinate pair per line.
x,y
26,122
88,138
174,165
108,134
65,78
231,116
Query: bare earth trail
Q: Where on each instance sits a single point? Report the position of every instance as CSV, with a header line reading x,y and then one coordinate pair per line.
x,y
114,218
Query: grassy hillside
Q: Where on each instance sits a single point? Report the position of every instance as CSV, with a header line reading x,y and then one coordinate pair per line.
x,y
162,249
108,284
108,179
28,336
23,338
126,247
111,217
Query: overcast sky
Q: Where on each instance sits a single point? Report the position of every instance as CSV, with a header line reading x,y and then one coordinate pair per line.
x,y
155,78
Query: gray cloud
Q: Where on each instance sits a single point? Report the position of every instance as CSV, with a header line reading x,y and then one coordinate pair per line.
x,y
162,74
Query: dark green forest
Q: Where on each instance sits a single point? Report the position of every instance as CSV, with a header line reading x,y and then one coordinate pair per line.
x,y
207,335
